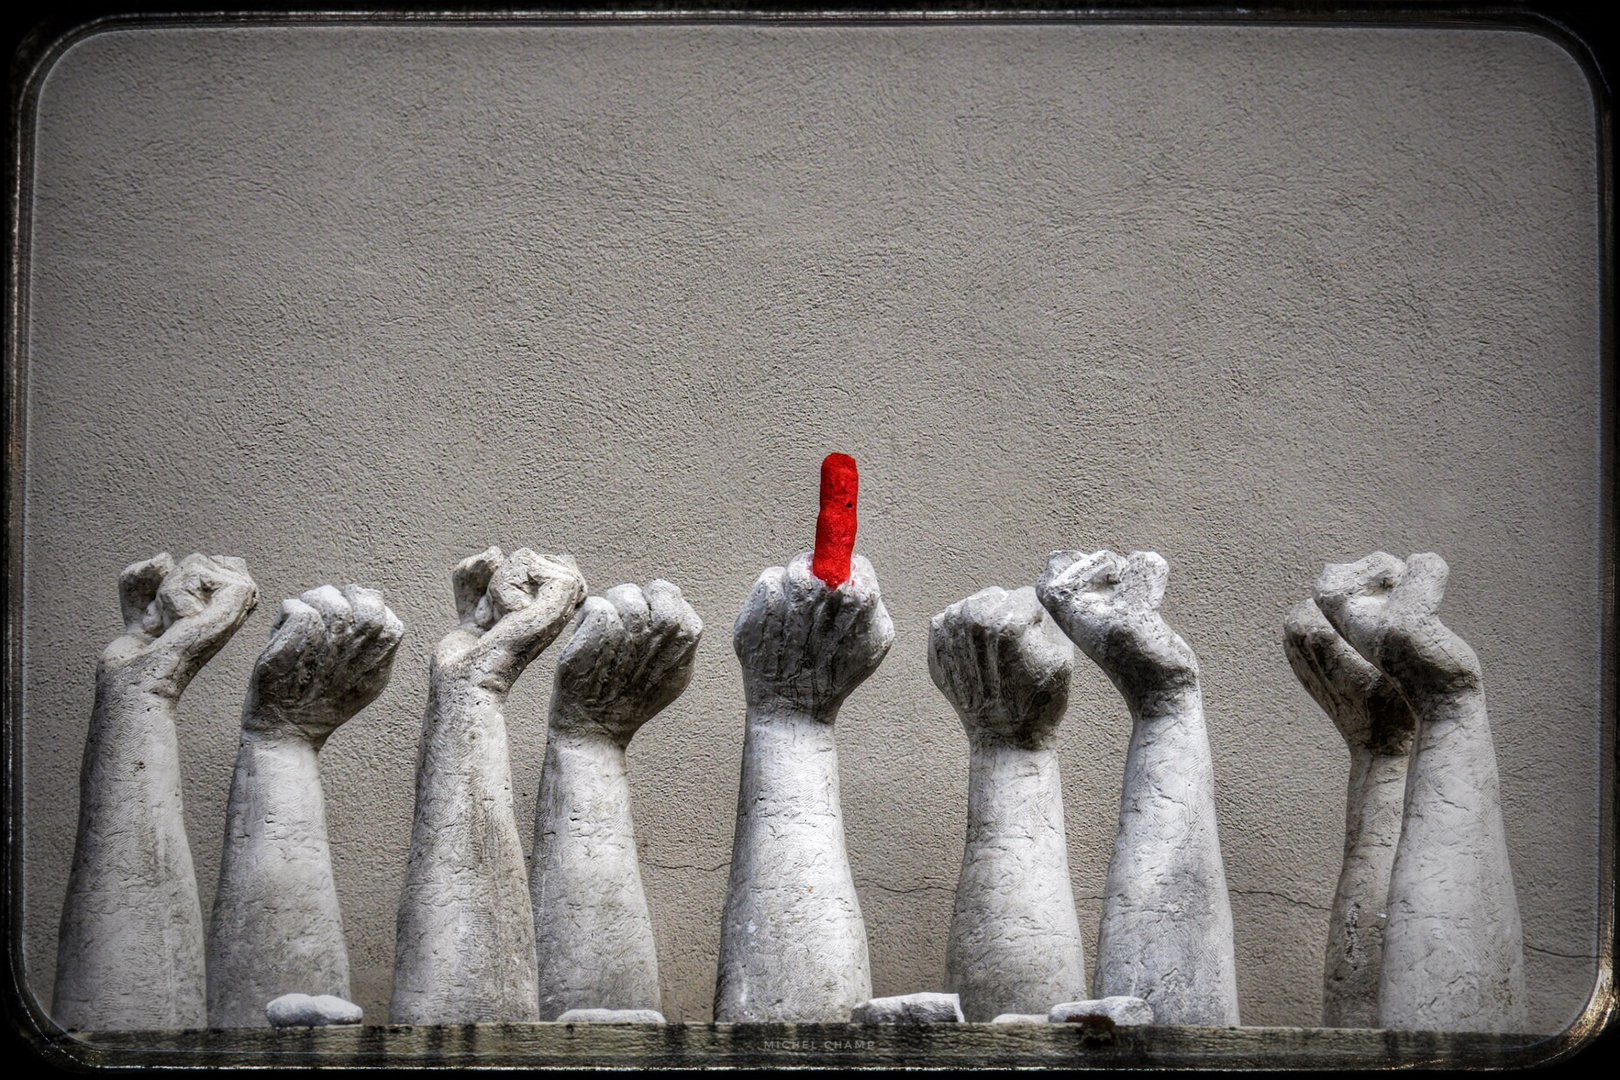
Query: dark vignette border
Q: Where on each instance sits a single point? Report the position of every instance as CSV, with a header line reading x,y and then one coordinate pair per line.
x,y
36,41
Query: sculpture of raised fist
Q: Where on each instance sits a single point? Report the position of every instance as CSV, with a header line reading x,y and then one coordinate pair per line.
x,y
1166,932
804,646
1015,938
130,949
276,927
628,655
1453,956
1371,713
792,941
464,942
177,617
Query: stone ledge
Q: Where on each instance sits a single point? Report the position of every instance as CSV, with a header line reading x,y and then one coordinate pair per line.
x,y
1082,1045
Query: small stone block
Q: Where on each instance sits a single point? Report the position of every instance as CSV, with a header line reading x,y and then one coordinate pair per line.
x,y
611,1016
1124,1011
909,1009
1022,1018
301,1010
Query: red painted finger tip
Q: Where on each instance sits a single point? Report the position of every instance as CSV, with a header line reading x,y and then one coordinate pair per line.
x,y
835,524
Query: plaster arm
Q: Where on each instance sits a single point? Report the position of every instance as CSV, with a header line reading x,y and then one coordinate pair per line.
x,y
130,951
1014,945
792,942
629,654
1453,946
1376,722
464,948
276,926
1166,931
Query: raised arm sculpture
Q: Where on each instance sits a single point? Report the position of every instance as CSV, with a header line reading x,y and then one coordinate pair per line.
x,y
1453,947
1015,938
1166,933
1376,722
792,943
130,951
276,927
464,950
629,654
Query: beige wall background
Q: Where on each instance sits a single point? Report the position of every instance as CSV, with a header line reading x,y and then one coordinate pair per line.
x,y
354,302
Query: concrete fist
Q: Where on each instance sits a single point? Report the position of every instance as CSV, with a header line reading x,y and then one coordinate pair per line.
x,y
1386,609
1364,703
330,655
1109,605
630,653
176,617
1003,665
511,607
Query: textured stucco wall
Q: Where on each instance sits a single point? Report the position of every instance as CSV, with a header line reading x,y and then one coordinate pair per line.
x,y
353,303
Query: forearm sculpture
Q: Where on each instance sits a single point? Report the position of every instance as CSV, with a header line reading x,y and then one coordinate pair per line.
x,y
1015,938
792,943
464,949
276,927
130,951
1376,722
629,655
1166,931
1453,951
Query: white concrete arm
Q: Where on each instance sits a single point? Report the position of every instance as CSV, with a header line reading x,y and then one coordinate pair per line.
x,y
130,950
1166,932
628,656
1015,938
276,926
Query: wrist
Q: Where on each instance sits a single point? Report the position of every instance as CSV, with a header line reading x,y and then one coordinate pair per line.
x,y
1444,708
986,739
1166,705
578,726
270,724
123,690
768,708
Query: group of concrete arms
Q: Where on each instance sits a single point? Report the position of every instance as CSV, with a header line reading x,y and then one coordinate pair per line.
x,y
480,937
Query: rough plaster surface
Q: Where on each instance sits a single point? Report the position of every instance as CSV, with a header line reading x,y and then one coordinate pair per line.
x,y
1255,298
1015,939
130,950
277,928
793,945
1166,933
1377,724
1453,944
628,655
464,948
925,1008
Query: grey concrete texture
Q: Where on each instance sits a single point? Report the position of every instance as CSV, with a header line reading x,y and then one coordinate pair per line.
x,y
611,1016
1377,724
924,1008
130,951
1254,298
1120,1008
464,941
793,945
303,1010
